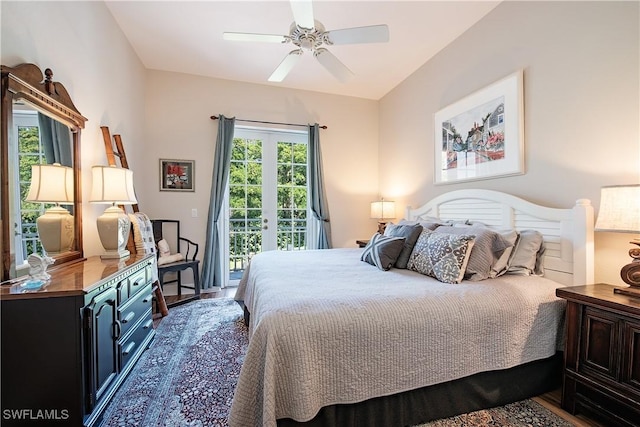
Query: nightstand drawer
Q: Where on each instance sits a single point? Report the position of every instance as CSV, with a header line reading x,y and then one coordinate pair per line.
x,y
600,352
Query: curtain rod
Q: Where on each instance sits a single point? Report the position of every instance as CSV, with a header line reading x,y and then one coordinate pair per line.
x,y
269,123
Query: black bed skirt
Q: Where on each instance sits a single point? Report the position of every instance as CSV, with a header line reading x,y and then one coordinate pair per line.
x,y
479,391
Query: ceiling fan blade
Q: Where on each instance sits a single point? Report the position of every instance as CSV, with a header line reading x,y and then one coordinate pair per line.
x,y
303,13
333,65
371,34
286,65
249,37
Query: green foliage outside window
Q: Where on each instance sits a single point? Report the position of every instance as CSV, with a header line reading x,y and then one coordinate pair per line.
x,y
245,198
29,153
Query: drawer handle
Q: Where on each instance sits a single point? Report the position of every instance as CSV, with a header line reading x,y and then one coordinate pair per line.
x,y
117,329
147,299
128,348
136,283
148,324
129,317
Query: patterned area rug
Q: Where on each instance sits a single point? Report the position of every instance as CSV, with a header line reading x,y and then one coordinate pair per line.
x,y
188,376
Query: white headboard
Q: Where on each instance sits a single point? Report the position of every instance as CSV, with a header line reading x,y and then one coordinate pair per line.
x,y
568,233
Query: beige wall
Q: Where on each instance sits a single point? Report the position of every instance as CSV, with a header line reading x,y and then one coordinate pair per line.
x,y
88,53
580,62
178,126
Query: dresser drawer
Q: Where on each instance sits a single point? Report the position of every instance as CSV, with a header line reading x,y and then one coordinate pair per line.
x,y
133,310
131,344
139,280
131,282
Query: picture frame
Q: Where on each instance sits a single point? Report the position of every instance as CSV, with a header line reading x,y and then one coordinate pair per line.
x,y
177,175
482,135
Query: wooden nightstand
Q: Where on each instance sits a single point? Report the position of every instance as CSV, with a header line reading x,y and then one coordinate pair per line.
x,y
601,373
362,243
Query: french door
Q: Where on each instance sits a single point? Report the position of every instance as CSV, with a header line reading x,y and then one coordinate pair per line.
x,y
267,194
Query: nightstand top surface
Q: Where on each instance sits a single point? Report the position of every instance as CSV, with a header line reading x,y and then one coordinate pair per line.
x,y
600,294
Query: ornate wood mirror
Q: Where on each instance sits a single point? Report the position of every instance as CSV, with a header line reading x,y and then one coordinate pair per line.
x,y
26,92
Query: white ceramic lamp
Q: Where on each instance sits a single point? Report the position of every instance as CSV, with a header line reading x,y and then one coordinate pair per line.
x,y
114,186
382,211
53,184
620,213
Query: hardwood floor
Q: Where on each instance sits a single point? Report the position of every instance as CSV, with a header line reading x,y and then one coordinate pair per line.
x,y
550,400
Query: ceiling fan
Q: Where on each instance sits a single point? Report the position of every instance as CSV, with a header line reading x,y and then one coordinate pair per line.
x,y
308,34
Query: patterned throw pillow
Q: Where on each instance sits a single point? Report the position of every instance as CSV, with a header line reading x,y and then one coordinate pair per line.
x,y
488,246
382,251
442,256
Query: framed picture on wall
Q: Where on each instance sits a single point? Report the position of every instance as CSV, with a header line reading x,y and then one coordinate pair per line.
x,y
482,135
177,175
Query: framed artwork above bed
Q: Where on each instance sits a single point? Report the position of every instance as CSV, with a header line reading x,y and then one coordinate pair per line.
x,y
482,135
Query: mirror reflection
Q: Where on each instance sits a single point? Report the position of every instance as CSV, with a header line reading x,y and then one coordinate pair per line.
x,y
41,224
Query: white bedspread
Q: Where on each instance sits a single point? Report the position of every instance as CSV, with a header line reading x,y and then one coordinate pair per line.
x,y
327,328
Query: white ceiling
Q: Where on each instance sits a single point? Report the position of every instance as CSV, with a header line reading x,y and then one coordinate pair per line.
x,y
186,37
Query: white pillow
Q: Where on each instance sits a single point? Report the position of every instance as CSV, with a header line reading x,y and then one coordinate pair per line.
x,y
163,248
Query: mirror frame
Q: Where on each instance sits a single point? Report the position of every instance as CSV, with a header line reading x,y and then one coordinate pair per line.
x,y
27,82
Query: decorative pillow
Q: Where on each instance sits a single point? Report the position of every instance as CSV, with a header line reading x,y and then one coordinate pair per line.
x,y
163,248
382,251
440,255
502,264
487,249
527,256
168,259
410,234
429,223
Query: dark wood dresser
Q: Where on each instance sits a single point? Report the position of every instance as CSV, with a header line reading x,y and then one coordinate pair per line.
x,y
602,354
68,346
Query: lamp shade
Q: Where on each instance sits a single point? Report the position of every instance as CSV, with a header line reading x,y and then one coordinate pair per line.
x,y
51,184
619,209
383,210
112,185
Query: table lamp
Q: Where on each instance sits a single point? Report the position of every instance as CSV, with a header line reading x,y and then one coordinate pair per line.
x,y
382,211
114,186
620,213
53,184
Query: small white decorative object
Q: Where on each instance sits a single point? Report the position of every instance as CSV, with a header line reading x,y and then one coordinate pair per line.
x,y
38,266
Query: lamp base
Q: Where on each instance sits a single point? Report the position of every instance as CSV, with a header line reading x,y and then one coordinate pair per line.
x,y
381,227
113,228
55,229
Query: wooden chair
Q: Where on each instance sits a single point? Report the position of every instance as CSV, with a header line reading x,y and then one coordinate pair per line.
x,y
189,261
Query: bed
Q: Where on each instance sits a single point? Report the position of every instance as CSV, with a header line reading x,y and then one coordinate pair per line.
x,y
335,341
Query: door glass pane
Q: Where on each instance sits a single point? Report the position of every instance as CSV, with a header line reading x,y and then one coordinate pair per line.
x,y
292,190
245,203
